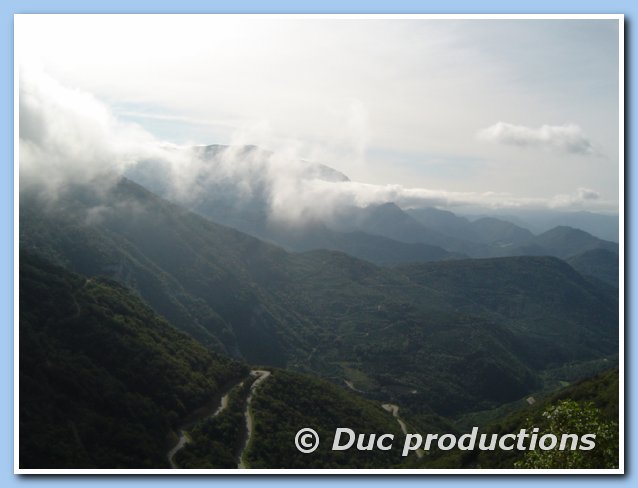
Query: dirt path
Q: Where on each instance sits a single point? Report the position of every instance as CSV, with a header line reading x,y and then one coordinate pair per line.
x,y
261,375
183,440
183,435
394,410
350,385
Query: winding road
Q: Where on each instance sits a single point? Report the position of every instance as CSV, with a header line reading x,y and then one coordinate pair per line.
x,y
350,385
394,409
261,375
183,440
183,435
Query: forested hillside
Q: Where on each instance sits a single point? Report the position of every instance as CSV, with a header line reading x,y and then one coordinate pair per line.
x,y
104,380
452,337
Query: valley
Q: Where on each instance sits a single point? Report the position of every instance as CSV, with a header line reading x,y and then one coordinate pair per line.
x,y
235,236
444,339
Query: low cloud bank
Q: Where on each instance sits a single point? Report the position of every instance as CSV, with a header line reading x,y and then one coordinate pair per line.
x,y
69,137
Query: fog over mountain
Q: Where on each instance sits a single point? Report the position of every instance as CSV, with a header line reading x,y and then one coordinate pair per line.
x,y
70,136
234,227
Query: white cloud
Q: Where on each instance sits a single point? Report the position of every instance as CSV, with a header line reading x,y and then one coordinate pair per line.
x,y
322,199
587,194
568,138
352,93
69,136
575,200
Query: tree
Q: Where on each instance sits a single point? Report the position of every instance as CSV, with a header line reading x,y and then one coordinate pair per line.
x,y
570,417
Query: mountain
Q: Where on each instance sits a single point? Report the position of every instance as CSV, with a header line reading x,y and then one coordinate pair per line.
x,y
217,170
538,295
390,221
221,200
104,383
485,237
487,230
198,275
430,337
443,221
565,242
499,233
603,226
104,380
316,235
234,186
373,248
599,263
280,406
593,408
238,186
219,180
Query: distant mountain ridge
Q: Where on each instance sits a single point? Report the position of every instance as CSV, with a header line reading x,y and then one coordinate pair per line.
x,y
599,263
389,332
433,234
486,230
105,383
566,241
603,226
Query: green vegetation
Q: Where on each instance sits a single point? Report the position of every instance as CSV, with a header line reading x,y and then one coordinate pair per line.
x,y
543,300
564,242
217,440
103,379
446,338
281,406
569,417
587,406
599,263
106,378
287,401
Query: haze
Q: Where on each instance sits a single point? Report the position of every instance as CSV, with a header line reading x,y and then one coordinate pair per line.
x,y
472,112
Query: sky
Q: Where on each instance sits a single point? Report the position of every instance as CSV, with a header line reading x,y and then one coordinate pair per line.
x,y
494,112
